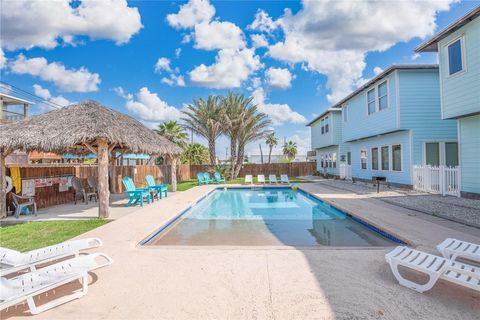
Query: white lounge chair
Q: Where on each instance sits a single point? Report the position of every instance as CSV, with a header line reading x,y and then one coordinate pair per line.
x,y
272,179
434,266
249,179
284,179
13,261
28,285
261,178
453,249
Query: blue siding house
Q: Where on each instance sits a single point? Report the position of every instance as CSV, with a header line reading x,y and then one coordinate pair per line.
x,y
327,130
390,123
458,48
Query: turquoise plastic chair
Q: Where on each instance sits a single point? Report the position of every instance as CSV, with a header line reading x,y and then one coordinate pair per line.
x,y
218,177
201,178
207,178
136,194
157,188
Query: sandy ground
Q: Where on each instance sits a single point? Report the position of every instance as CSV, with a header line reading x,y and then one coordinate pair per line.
x,y
262,282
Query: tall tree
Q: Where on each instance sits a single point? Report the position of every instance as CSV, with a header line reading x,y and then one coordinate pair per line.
x,y
195,153
203,118
271,141
290,149
173,132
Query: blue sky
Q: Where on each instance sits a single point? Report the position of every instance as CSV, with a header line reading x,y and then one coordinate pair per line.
x,y
150,58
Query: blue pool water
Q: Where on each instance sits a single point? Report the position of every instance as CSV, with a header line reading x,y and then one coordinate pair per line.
x,y
266,216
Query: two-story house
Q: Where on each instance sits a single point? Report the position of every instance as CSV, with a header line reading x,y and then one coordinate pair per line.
x,y
326,131
391,123
458,48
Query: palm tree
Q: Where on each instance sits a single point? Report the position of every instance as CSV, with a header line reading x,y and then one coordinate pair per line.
x,y
290,149
271,141
203,118
173,132
195,153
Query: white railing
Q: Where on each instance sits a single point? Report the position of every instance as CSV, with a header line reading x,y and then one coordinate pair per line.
x,y
345,171
437,179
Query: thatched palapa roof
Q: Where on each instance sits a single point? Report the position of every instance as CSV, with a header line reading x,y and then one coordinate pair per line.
x,y
67,129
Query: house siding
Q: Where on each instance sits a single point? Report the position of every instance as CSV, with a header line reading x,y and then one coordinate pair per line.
x,y
469,131
332,137
420,111
328,150
461,92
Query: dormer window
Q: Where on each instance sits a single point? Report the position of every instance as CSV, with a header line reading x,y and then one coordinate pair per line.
x,y
455,57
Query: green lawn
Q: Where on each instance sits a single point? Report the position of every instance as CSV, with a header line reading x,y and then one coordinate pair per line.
x,y
185,185
34,235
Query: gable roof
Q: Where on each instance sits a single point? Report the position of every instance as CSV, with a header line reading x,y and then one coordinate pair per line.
x,y
432,44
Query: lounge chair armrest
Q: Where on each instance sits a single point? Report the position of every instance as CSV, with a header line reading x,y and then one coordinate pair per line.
x,y
24,197
135,191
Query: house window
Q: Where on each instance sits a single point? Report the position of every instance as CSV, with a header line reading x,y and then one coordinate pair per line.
x,y
385,159
455,59
374,158
451,154
322,123
321,162
345,114
334,159
382,96
432,153
371,101
326,124
329,160
397,157
349,158
363,159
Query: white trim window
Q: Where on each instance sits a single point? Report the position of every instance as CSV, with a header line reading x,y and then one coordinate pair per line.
x,y
371,101
385,155
397,157
455,56
322,122
363,159
375,158
382,93
326,124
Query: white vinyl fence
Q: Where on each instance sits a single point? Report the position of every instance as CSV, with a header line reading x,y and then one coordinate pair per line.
x,y
437,179
345,171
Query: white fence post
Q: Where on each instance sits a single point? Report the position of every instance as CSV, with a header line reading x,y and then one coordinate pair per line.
x,y
442,180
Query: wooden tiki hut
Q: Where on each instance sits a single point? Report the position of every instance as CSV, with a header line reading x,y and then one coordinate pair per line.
x,y
84,128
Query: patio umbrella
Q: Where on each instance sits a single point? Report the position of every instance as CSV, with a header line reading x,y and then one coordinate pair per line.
x,y
84,128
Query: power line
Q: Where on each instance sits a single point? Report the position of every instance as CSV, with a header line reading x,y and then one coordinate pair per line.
x,y
29,95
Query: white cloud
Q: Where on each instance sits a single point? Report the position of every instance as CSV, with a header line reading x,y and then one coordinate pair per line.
x,y
191,13
278,78
163,64
46,95
3,59
230,69
27,23
174,80
377,70
333,37
178,51
259,40
70,80
415,56
263,22
148,106
218,35
278,113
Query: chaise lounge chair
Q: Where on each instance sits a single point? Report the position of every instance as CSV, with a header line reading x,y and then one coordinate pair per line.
x,y
26,286
434,266
261,178
218,177
248,179
272,179
453,249
207,178
200,178
284,179
135,194
158,189
13,261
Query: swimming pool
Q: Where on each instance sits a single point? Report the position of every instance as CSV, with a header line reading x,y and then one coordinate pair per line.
x,y
267,216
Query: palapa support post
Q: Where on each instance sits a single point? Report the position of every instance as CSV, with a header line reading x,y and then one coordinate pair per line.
x,y
103,192
173,171
3,183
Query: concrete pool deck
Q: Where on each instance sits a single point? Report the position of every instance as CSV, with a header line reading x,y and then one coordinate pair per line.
x,y
263,282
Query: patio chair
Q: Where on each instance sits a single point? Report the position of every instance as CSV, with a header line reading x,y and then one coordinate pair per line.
x,y
434,266
261,178
207,178
218,177
23,202
453,249
201,178
24,287
284,179
272,179
136,194
79,191
248,179
13,261
158,189
92,184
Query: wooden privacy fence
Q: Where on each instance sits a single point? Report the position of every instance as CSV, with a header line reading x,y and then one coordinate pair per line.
x,y
294,169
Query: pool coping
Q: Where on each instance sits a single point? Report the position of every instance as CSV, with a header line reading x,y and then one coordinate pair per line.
x,y
399,240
